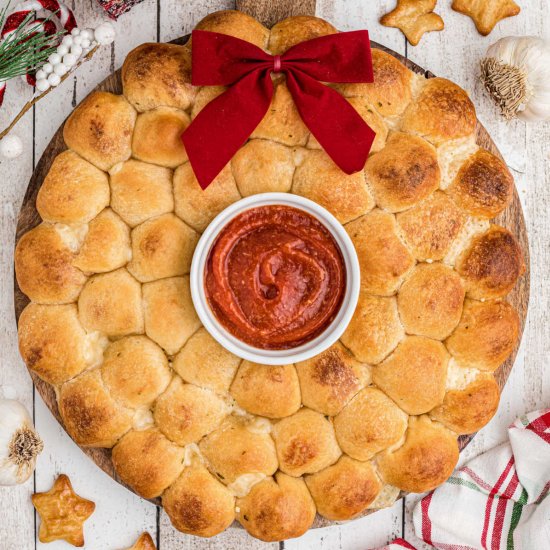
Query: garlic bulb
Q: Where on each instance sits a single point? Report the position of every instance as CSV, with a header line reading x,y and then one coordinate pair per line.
x,y
19,443
516,72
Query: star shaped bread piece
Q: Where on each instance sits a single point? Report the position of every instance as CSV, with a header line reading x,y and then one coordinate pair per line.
x,y
486,13
414,18
62,512
145,542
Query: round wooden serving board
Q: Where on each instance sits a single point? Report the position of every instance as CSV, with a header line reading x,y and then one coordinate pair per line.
x,y
512,218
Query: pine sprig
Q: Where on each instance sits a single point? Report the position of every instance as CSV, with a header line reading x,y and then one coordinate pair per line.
x,y
25,49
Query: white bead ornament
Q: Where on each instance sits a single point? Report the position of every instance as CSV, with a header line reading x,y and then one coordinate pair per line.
x,y
69,60
77,39
76,50
85,44
60,69
54,59
54,79
105,34
47,68
75,31
67,41
11,147
41,75
87,34
42,85
62,49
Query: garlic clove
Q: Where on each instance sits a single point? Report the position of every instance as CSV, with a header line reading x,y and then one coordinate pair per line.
x,y
20,444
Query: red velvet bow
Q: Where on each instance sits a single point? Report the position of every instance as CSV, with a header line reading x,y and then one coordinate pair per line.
x,y
223,126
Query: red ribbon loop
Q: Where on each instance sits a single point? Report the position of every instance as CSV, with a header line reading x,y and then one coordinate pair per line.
x,y
224,125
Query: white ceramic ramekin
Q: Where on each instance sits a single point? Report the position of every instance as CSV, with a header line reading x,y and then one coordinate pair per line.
x,y
275,357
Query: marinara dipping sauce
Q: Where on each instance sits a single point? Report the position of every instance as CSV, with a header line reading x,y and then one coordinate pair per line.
x,y
275,277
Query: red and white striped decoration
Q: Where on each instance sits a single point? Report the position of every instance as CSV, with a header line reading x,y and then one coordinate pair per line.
x,y
14,20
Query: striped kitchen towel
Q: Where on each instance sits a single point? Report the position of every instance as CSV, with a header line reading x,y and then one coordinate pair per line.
x,y
498,500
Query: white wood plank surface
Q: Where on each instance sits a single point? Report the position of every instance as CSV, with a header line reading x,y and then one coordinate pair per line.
x,y
121,516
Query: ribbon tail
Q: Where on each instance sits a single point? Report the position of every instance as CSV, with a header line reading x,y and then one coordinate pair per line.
x,y
223,126
338,127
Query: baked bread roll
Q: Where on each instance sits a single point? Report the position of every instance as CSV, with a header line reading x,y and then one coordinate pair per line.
x,y
162,247
374,330
106,246
344,490
272,391
441,112
486,335
158,75
135,371
403,173
148,462
111,303
424,461
305,443
198,207
85,397
345,195
170,318
329,380
262,166
44,266
204,96
414,374
233,451
371,422
293,30
384,260
185,413
277,508
430,301
53,343
100,129
73,191
205,363
140,191
157,137
198,504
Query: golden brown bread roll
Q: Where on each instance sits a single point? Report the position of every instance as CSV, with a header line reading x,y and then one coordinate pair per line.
x,y
100,129
441,112
162,247
293,30
140,191
486,335
272,391
374,330
491,264
73,191
384,260
262,166
135,370
329,380
198,207
305,443
90,415
44,266
369,423
235,23
403,173
390,93
282,122
185,413
170,318
111,303
430,301
426,459
158,75
430,227
157,137
205,363
204,96
277,509
233,451
198,504
53,343
346,196
467,409
147,462
106,246
483,185
344,490
414,374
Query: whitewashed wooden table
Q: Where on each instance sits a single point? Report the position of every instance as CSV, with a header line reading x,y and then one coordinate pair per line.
x,y
121,516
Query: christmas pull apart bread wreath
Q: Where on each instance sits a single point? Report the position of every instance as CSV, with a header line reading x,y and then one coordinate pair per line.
x,y
112,327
